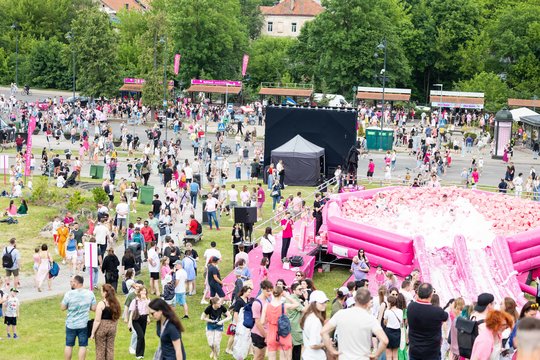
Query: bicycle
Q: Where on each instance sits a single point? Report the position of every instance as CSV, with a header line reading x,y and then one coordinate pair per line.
x,y
26,92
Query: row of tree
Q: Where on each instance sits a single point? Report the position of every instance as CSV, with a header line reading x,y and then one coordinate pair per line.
x,y
471,45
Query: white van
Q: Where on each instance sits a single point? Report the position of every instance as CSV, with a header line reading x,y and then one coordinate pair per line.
x,y
334,100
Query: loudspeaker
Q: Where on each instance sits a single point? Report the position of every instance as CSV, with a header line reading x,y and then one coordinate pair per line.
x,y
245,215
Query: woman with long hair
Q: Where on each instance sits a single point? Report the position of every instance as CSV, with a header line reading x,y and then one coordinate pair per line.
x,y
530,309
488,344
455,311
312,323
393,319
169,330
510,306
138,319
44,264
104,330
23,208
268,244
280,304
242,299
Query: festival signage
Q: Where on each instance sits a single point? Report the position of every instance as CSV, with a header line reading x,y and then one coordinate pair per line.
x,y
216,82
133,81
176,64
28,157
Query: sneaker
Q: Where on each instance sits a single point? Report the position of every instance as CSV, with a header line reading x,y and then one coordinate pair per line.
x,y
203,302
227,351
185,317
15,336
131,350
9,336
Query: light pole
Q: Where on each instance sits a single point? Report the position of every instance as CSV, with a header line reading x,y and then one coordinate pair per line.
x,y
440,99
128,193
16,27
164,42
382,46
70,38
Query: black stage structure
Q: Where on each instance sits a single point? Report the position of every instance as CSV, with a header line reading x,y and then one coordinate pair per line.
x,y
333,129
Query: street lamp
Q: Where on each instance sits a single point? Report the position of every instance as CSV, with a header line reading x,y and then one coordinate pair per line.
x,y
70,38
15,28
164,42
382,46
440,100
128,193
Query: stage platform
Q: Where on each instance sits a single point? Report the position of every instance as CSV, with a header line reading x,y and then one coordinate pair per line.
x,y
276,270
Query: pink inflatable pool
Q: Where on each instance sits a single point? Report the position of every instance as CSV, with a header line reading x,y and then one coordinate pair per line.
x,y
464,242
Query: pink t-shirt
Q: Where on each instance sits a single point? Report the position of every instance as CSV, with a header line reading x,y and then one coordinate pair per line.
x,y
260,195
484,345
256,308
287,233
371,167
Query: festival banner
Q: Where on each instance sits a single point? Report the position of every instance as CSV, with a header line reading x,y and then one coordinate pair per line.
x,y
176,64
31,127
216,82
245,64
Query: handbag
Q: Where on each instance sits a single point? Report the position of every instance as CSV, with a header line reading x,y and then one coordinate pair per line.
x,y
89,326
231,329
274,193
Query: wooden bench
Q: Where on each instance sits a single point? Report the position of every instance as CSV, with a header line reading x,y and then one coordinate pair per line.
x,y
193,239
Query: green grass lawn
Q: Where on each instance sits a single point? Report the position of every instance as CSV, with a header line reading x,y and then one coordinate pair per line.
x,y
42,324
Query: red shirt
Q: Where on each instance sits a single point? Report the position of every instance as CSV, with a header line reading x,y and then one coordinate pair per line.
x,y
193,226
287,233
260,195
147,233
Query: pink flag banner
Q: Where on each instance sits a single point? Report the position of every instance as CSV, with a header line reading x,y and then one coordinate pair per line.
x,y
31,127
245,64
176,64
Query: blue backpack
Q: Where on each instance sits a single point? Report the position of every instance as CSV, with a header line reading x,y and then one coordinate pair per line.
x,y
55,270
283,324
249,321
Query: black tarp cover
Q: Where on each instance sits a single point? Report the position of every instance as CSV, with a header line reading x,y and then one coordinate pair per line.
x,y
301,159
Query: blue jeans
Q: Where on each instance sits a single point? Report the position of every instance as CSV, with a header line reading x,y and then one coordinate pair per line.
x,y
72,334
212,215
193,198
238,173
275,200
95,275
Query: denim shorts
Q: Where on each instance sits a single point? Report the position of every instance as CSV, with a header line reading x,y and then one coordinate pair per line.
x,y
81,334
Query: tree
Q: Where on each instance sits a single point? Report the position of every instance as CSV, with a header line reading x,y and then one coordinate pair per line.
x,y
132,26
49,65
251,15
269,59
209,35
339,44
95,47
495,90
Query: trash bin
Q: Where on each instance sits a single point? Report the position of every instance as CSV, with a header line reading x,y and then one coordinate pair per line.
x,y
146,194
96,171
379,139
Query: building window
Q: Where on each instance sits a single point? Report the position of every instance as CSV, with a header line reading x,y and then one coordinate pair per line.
x,y
270,26
293,27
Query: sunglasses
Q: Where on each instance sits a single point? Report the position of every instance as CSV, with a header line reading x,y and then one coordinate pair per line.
x,y
534,306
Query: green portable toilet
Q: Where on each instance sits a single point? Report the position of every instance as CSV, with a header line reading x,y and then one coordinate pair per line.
x,y
387,139
146,194
379,139
372,138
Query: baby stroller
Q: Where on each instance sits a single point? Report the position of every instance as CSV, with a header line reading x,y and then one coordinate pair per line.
x,y
137,252
72,179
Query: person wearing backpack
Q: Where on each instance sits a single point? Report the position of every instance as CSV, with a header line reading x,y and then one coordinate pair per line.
x,y
274,315
10,262
425,325
253,319
488,343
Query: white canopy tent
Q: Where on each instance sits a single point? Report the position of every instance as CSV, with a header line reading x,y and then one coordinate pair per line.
x,y
517,114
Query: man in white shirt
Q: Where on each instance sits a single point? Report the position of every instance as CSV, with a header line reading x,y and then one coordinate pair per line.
x,y
354,328
101,233
153,268
211,207
180,289
233,197
121,214
208,253
189,173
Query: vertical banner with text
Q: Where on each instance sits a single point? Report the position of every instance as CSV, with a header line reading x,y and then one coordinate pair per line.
x,y
176,64
31,127
245,64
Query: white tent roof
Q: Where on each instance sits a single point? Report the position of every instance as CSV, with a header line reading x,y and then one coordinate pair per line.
x,y
517,114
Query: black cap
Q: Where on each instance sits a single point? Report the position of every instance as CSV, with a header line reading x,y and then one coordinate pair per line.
x,y
483,301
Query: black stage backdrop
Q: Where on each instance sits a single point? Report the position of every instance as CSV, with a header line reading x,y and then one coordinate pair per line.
x,y
334,130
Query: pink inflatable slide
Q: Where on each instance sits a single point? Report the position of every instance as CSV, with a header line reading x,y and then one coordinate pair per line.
x,y
461,267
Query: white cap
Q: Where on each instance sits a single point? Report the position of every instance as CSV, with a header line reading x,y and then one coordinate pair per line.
x,y
349,302
344,290
318,296
168,279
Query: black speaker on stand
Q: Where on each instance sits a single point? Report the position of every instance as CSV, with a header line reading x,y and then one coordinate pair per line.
x,y
245,214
